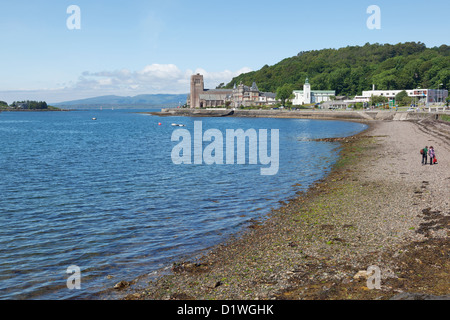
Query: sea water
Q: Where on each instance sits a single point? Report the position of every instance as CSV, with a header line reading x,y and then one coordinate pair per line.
x,y
106,196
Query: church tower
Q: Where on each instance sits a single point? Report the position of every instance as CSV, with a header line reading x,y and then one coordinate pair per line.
x,y
197,88
307,92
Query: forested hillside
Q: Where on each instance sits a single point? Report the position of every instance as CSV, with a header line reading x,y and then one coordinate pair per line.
x,y
353,69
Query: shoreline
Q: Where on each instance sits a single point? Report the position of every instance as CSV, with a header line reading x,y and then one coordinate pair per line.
x,y
314,246
348,115
36,110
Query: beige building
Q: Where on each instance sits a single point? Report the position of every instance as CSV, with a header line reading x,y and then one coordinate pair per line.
x,y
240,95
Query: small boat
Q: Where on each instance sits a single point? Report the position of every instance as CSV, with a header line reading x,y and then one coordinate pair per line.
x,y
178,125
94,119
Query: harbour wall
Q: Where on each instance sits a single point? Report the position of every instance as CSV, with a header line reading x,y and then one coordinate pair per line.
x,y
305,114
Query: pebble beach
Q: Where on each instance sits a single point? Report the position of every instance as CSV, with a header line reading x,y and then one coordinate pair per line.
x,y
379,207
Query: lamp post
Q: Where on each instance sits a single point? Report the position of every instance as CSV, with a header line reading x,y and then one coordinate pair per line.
x,y
439,91
418,96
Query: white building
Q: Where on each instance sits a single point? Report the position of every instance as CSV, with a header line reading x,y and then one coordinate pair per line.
x,y
308,96
424,95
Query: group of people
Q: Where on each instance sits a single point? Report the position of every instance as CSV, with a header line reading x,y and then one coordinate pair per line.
x,y
428,152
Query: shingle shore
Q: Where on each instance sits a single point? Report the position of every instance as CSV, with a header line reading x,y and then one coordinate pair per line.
x,y
379,207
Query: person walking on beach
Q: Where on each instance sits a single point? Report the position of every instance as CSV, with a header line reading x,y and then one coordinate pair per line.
x,y
431,154
424,155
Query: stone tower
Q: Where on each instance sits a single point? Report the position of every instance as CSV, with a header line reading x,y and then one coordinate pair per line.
x,y
197,88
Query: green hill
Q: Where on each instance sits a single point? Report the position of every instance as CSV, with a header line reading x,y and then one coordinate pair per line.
x,y
353,69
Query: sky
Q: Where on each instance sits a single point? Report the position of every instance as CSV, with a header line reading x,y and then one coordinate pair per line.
x,y
132,47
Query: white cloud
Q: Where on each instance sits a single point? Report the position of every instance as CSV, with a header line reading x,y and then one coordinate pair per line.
x,y
154,78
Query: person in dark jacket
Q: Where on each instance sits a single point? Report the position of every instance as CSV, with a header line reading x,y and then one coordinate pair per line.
x,y
425,155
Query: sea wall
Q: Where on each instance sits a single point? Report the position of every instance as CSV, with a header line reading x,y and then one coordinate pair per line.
x,y
303,114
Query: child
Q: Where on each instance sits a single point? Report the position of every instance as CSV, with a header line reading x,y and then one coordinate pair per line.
x,y
431,154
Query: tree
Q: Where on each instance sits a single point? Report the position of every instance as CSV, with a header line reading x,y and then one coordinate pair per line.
x,y
285,92
30,104
402,98
353,69
377,100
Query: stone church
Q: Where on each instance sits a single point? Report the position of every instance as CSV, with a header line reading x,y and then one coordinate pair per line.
x,y
240,95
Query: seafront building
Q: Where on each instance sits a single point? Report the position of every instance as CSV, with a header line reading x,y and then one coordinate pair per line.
x,y
423,95
240,95
328,98
308,96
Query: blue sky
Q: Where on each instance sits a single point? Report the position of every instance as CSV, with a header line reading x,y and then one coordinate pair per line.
x,y
136,47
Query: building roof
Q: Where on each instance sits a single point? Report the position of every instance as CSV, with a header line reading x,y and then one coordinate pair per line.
x,y
216,96
218,91
254,87
269,94
318,91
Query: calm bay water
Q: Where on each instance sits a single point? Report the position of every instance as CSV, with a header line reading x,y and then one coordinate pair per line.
x,y
104,195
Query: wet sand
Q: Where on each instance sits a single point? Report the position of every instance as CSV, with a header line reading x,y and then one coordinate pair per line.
x,y
379,207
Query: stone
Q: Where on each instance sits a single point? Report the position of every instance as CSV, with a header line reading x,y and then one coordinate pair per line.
x,y
122,285
361,275
418,296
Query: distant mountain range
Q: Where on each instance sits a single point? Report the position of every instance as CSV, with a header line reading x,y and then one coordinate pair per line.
x,y
143,100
